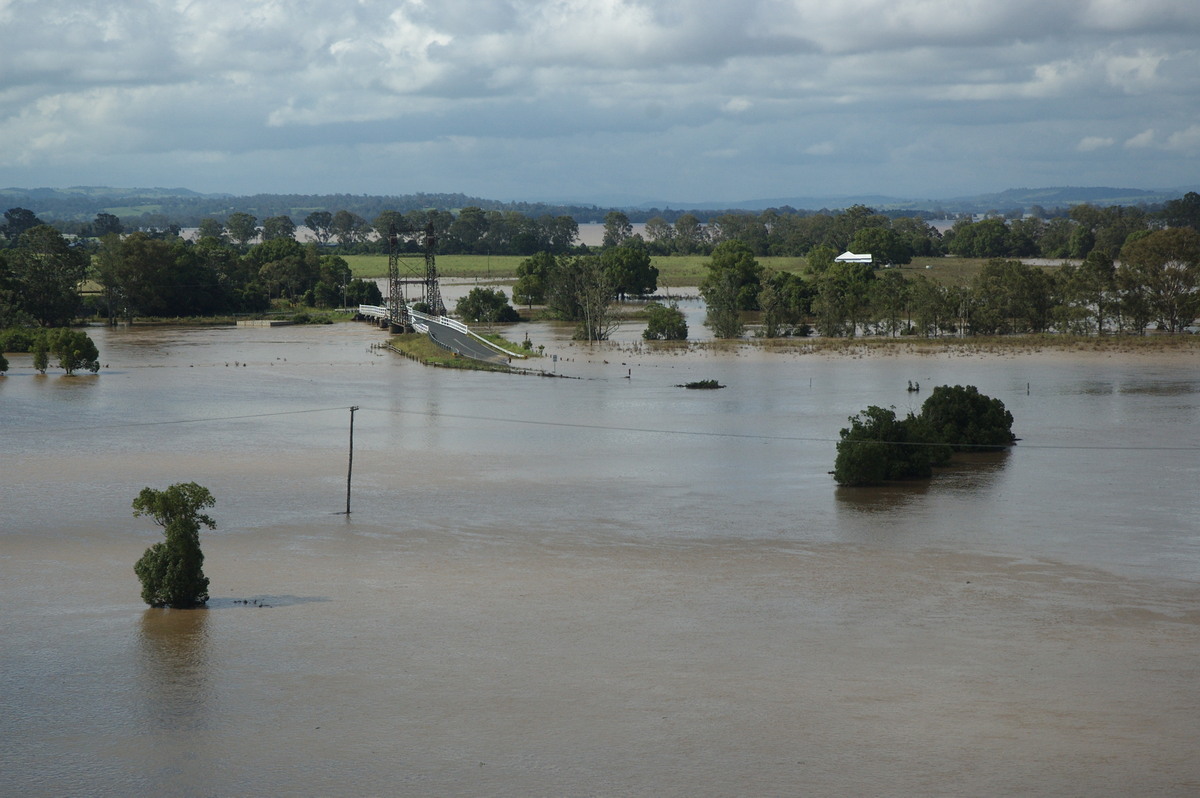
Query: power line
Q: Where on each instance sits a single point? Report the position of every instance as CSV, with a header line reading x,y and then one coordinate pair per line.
x,y
609,428
753,436
176,421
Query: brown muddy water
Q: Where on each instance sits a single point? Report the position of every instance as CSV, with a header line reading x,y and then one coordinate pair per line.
x,y
605,586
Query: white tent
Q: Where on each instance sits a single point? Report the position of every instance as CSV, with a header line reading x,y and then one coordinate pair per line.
x,y
850,257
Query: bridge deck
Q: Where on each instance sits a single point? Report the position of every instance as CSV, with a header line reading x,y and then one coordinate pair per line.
x,y
449,334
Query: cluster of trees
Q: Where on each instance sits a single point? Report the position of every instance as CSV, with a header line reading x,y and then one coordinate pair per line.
x,y
879,447
583,288
1133,271
487,305
74,349
472,231
73,209
141,274
40,277
1086,229
821,235
1076,233
736,282
1157,281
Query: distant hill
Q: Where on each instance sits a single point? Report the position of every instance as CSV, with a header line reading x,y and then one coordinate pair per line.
x,y
182,206
1048,198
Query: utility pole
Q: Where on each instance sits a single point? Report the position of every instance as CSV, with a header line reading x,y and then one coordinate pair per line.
x,y
350,467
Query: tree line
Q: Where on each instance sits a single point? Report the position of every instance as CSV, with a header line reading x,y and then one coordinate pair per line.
x,y
1135,268
1156,281
1076,233
474,229
141,274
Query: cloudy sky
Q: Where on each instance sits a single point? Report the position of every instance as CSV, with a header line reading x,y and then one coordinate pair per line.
x,y
598,100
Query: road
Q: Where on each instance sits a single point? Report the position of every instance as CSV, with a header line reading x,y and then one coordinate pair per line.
x,y
463,344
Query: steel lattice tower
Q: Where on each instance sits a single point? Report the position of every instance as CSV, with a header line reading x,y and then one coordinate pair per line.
x,y
397,306
433,292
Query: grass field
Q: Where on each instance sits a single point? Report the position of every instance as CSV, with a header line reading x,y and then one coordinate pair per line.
x,y
674,271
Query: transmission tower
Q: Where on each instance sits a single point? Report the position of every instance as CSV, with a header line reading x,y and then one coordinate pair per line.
x,y
433,292
397,306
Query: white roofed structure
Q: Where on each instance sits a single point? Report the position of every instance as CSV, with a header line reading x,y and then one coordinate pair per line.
x,y
850,257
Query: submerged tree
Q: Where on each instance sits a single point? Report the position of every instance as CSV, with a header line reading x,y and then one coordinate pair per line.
x,y
665,323
879,447
172,571
963,418
74,349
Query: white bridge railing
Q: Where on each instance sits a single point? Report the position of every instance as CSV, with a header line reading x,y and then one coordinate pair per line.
x,y
421,322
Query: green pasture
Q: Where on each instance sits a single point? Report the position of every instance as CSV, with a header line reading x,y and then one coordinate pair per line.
x,y
674,271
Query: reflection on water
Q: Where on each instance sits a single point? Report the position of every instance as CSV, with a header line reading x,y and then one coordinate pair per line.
x,y
968,472
1161,387
972,471
174,667
888,498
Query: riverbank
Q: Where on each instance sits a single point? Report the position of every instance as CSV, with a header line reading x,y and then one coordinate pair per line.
x,y
981,345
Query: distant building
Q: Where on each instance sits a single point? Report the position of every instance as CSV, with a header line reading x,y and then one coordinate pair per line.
x,y
850,257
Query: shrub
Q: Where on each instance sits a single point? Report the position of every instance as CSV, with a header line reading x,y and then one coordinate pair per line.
x,y
665,323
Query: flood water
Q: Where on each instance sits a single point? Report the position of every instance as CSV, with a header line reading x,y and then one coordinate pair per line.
x,y
604,585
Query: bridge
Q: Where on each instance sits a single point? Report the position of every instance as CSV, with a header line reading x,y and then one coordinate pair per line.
x,y
448,333
444,331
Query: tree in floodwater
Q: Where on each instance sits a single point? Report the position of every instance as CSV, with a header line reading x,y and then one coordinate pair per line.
x,y
172,571
74,349
878,447
963,418
665,323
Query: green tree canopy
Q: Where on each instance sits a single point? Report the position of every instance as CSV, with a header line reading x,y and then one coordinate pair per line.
x,y
665,323
242,227
733,264
532,274
74,349
210,228
172,571
46,271
963,418
884,245
579,289
486,305
1183,212
617,228
277,227
106,224
629,269
843,299
1166,263
17,221
320,223
878,447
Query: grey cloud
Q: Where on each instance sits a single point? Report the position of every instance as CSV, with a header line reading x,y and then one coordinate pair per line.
x,y
784,90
